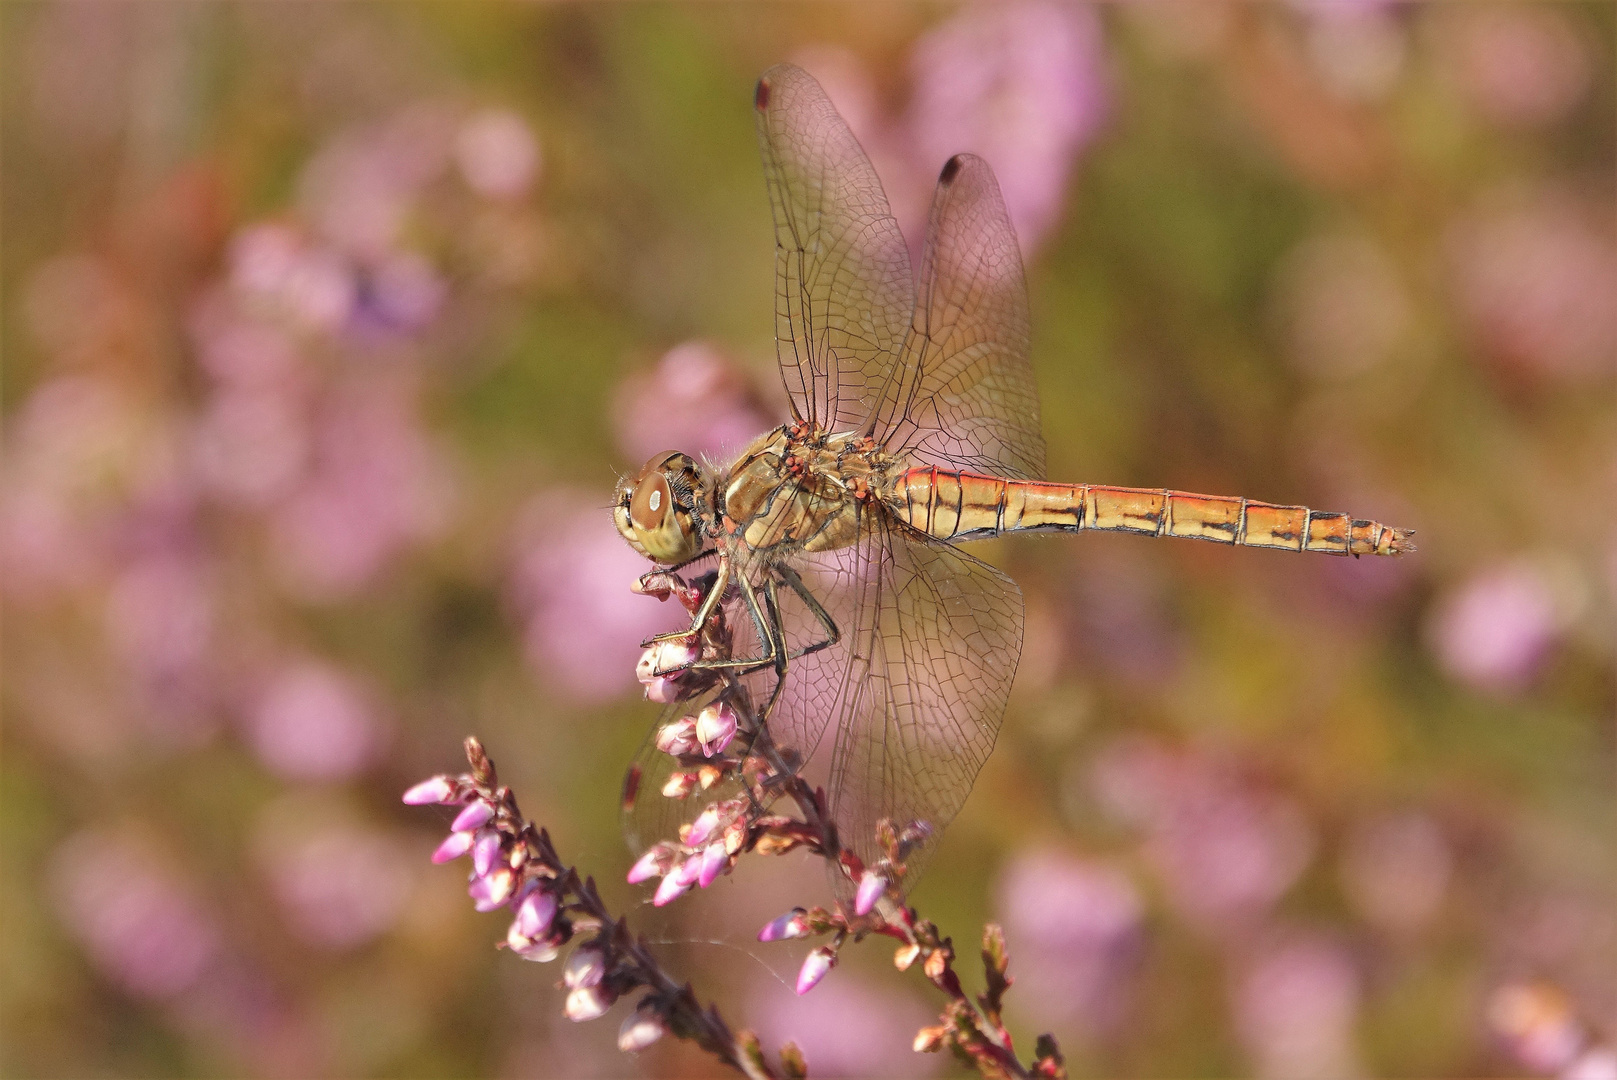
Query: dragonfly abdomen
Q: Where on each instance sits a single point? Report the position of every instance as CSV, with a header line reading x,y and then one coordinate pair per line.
x,y
953,505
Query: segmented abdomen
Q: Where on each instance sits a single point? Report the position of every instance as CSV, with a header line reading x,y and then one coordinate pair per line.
x,y
966,506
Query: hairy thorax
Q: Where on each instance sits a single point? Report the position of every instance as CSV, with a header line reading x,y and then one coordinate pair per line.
x,y
800,489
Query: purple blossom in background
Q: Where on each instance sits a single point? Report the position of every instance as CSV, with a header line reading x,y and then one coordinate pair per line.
x,y
846,1027
497,154
1296,1005
695,399
1022,84
1495,631
139,925
569,585
339,884
311,721
1077,926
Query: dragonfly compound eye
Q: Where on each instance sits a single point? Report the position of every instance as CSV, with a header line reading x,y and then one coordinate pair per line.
x,y
656,519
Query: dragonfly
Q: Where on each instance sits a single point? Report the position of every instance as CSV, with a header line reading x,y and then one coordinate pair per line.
x,y
873,650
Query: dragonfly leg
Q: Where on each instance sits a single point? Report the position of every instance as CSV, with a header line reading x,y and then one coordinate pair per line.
x,y
710,603
832,634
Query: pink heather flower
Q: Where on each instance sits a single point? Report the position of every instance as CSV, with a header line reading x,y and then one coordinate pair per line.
x,y
1023,84
715,727
588,1003
493,890
816,966
666,658
477,814
1296,1009
696,399
485,851
678,737
250,446
137,924
663,689
655,862
1396,868
1522,67
793,924
313,721
1358,50
679,784
871,887
714,861
453,847
1077,926
438,789
1495,632
672,888
703,828
339,885
1538,1023
851,1026
160,618
535,914
538,951
640,1030
586,967
497,154
1598,1063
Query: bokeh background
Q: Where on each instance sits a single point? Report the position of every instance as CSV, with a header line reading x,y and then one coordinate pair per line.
x,y
328,328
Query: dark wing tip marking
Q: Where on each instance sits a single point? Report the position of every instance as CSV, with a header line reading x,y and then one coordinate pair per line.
x,y
760,96
951,169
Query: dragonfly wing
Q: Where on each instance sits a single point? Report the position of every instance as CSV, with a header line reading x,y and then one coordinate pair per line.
x,y
931,639
965,397
844,293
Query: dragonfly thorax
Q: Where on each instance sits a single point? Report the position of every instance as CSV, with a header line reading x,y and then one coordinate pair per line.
x,y
801,489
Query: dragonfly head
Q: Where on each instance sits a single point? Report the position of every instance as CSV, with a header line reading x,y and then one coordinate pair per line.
x,y
656,510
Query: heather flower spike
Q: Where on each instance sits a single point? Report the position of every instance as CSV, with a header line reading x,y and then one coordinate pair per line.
x,y
817,965
439,789
453,847
871,887
793,924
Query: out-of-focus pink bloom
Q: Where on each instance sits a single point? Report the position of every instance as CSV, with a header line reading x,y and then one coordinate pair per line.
x,y
793,924
497,154
586,967
847,1027
1496,630
1022,84
159,617
1538,1023
339,886
1074,927
570,587
696,400
1296,1006
1396,870
249,448
1340,306
274,269
1357,49
1537,280
138,925
1226,853
640,1030
587,1003
314,722
871,886
1521,65
402,292
239,351
1599,1063
378,484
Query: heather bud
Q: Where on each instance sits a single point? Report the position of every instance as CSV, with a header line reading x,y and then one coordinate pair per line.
x,y
586,967
653,863
540,952
640,1029
815,967
453,847
714,861
485,851
492,890
793,924
679,785
439,789
663,689
715,727
928,1039
666,658
703,828
678,737
474,817
535,913
672,888
871,887
588,1003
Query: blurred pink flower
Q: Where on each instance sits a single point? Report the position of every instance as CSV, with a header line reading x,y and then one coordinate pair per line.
x,y
237,350
311,721
1022,84
1521,65
1538,1024
1537,280
378,484
143,929
847,1026
1074,928
569,585
1226,852
497,154
249,447
1340,305
160,621
1396,868
276,270
1495,631
340,886
1296,1005
1356,47
696,399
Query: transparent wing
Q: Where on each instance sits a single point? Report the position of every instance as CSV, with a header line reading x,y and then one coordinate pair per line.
x,y
918,683
844,293
963,395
